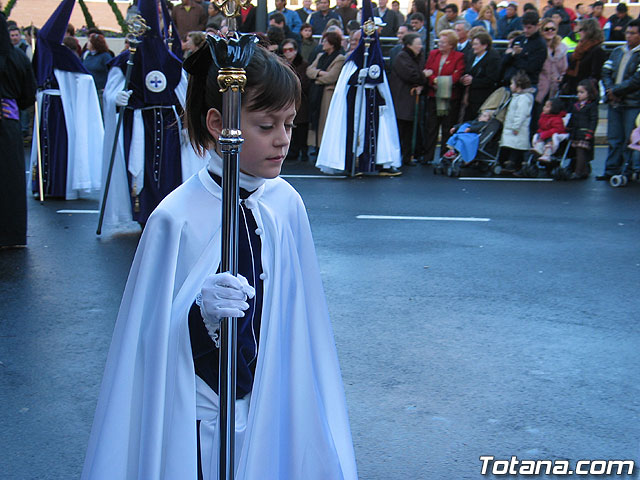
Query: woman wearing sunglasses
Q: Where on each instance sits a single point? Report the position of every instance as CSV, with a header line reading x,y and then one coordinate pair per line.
x,y
556,63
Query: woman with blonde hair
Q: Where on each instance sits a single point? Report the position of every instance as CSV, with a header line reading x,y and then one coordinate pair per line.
x,y
486,19
556,63
444,69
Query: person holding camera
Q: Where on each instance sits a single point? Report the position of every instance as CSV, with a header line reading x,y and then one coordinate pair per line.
x,y
528,52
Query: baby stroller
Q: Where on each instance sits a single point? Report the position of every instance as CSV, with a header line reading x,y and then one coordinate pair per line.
x,y
486,157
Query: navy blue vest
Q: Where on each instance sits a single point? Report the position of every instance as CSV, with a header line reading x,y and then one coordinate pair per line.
x,y
205,353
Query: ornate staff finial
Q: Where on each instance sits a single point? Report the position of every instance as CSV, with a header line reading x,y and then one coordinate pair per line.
x,y
137,26
369,27
231,9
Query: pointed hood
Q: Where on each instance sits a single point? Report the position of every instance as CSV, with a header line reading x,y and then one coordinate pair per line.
x,y
50,53
375,52
156,71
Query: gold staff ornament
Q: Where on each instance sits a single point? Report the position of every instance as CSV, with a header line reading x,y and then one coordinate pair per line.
x,y
231,9
369,27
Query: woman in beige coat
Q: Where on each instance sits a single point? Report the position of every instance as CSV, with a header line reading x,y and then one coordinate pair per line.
x,y
324,72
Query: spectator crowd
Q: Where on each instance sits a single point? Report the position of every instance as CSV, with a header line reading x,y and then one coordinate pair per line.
x,y
448,61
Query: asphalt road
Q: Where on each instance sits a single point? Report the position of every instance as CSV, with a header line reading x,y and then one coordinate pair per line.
x,y
513,334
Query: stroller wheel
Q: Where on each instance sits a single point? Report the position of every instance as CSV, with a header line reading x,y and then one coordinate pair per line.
x,y
618,181
497,169
635,176
450,171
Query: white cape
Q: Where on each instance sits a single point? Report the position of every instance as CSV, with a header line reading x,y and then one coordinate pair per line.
x,y
85,132
145,423
118,208
332,154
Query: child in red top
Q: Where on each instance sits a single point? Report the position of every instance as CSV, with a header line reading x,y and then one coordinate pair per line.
x,y
550,122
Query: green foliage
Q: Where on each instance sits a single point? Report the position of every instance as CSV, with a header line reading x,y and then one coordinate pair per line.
x,y
9,7
121,21
87,16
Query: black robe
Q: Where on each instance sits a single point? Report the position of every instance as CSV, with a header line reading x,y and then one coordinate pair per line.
x,y
17,83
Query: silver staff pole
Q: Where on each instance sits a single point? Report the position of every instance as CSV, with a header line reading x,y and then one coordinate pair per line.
x,y
368,29
231,55
137,28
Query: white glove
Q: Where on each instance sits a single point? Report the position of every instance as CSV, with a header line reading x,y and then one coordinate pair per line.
x,y
122,97
224,295
363,74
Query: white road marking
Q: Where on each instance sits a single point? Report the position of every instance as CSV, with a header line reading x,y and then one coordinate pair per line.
x,y
499,179
435,219
314,176
78,211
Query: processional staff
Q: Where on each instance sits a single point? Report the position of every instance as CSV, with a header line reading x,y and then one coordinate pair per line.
x,y
231,55
368,29
137,28
36,120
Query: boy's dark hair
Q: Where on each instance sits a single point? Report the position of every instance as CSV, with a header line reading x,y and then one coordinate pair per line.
x,y
557,105
590,87
529,7
530,18
634,23
417,16
451,6
521,79
271,85
622,8
306,25
597,4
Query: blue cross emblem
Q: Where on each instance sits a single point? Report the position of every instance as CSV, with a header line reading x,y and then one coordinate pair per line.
x,y
155,81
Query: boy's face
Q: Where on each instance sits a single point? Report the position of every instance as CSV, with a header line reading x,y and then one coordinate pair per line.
x,y
547,108
266,141
484,117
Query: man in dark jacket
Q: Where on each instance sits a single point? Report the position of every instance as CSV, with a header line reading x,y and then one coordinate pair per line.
x,y
509,22
528,52
618,23
388,16
319,19
621,79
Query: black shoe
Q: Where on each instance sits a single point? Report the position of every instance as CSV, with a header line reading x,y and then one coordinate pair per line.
x,y
603,178
411,162
509,167
389,172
